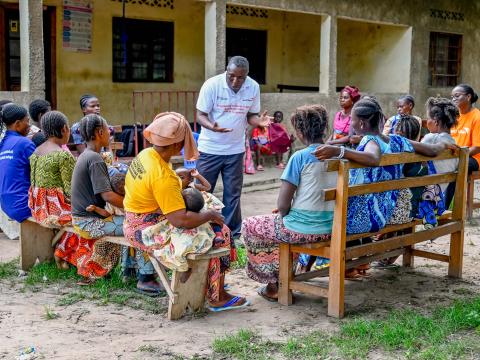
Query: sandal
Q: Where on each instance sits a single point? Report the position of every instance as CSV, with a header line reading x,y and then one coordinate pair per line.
x,y
85,282
260,168
262,291
229,305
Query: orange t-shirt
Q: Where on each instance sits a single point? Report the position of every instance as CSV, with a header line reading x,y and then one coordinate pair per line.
x,y
467,130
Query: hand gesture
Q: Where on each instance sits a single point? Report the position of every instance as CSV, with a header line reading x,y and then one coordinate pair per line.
x,y
216,217
454,148
265,120
194,173
217,128
324,152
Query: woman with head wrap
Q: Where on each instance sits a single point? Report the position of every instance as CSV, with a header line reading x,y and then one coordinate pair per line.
x,y
155,212
342,131
15,149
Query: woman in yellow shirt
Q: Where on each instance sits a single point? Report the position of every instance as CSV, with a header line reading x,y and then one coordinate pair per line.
x,y
155,212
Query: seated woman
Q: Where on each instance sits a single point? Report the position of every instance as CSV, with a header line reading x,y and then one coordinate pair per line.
x,y
369,212
153,196
15,149
405,105
91,186
51,174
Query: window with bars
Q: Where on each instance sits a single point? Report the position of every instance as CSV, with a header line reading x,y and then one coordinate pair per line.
x,y
142,50
445,59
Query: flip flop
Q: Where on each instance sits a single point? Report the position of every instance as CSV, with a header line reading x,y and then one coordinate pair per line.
x,y
262,292
148,293
85,282
353,275
229,305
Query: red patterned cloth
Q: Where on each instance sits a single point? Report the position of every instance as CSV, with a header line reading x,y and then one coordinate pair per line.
x,y
49,206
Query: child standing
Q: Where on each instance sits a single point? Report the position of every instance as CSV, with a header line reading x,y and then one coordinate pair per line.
x,y
280,140
261,145
342,131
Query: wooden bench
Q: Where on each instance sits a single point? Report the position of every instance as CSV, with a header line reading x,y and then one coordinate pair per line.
x,y
402,243
471,203
37,244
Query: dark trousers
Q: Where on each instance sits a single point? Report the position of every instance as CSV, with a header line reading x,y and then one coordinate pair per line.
x,y
449,193
231,168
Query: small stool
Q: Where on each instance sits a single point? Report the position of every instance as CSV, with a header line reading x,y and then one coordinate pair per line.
x,y
471,204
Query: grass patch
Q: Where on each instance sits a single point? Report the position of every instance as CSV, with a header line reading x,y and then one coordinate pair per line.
x,y
242,258
9,269
50,314
71,298
416,335
243,345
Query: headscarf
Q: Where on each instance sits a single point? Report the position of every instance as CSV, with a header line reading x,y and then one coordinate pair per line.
x,y
170,128
353,91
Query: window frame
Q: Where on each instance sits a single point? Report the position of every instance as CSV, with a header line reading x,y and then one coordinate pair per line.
x,y
166,33
434,77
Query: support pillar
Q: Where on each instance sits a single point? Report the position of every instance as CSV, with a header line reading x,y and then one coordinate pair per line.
x,y
215,37
31,48
328,55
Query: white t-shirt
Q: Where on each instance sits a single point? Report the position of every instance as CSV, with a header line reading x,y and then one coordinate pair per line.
x,y
229,110
442,166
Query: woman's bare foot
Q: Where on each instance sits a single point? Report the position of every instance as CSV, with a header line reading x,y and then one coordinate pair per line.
x,y
61,264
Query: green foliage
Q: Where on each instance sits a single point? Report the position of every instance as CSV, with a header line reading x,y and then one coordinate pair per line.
x,y
9,269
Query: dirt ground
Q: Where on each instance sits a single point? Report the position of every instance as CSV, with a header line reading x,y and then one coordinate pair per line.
x,y
86,330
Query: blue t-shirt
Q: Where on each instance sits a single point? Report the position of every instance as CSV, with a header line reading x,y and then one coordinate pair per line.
x,y
310,213
15,150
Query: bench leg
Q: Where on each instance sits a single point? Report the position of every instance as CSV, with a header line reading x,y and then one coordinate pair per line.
x,y
191,294
455,264
407,259
286,275
336,286
470,194
35,243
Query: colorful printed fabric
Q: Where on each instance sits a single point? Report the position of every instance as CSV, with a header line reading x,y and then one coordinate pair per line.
x,y
135,224
95,228
49,193
93,258
371,212
172,245
262,235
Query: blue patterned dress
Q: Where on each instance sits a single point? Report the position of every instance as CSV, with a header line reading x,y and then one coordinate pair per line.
x,y
371,212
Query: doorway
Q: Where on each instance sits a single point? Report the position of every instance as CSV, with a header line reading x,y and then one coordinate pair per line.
x,y
10,73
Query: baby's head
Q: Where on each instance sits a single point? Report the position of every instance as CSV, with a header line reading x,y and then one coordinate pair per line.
x,y
408,127
193,199
117,181
185,175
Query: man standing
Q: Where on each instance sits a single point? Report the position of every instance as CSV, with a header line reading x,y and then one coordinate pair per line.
x,y
226,104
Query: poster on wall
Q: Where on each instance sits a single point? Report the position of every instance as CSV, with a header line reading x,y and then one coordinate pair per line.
x,y
77,25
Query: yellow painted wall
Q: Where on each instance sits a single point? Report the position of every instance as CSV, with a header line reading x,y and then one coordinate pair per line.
x,y
374,57
79,73
293,46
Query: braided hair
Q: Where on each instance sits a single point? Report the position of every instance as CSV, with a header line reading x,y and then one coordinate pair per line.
x,y
442,110
369,110
89,124
84,100
311,121
408,127
52,124
37,108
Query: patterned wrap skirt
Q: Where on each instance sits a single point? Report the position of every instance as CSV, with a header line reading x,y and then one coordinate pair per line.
x,y
49,206
262,236
152,232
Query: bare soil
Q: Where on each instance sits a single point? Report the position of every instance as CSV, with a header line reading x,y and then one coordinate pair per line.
x,y
87,330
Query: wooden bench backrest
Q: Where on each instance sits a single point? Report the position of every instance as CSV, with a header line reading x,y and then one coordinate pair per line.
x,y
343,191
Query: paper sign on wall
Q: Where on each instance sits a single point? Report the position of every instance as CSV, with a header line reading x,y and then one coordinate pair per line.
x,y
77,25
